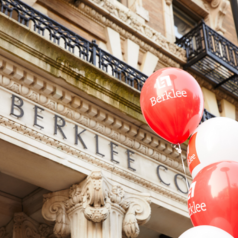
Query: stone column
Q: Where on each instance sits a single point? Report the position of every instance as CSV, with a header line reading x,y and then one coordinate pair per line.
x,y
95,208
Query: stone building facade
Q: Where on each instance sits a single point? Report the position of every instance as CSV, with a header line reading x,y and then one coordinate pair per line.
x,y
77,157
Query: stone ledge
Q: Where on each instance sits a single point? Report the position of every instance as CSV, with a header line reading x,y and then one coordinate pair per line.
x,y
26,44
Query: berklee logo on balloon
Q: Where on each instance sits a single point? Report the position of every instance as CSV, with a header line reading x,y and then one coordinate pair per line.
x,y
191,190
162,82
168,95
192,156
193,207
191,159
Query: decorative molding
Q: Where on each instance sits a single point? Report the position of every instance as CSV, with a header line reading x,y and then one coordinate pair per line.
x,y
96,198
4,233
25,227
89,158
171,50
217,13
137,6
82,112
221,14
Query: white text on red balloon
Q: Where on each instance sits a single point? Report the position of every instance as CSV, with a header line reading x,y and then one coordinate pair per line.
x,y
168,95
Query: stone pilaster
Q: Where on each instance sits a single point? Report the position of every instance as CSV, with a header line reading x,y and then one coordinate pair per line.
x,y
96,208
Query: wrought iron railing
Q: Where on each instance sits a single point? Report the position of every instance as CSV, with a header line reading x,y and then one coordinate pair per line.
x,y
72,42
213,56
206,115
85,49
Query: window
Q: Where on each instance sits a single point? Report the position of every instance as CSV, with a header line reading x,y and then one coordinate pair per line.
x,y
183,23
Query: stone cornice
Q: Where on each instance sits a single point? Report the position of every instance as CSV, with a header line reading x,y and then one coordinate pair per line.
x,y
92,159
75,108
143,35
81,111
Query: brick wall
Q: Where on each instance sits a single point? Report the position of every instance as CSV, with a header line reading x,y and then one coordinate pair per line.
x,y
155,8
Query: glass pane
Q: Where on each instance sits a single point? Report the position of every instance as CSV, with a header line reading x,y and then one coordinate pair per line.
x,y
182,23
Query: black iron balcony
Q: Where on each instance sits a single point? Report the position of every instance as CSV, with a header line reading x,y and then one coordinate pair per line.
x,y
88,51
206,116
213,56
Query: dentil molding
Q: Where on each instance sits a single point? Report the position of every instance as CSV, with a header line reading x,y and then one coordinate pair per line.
x,y
96,200
57,99
92,159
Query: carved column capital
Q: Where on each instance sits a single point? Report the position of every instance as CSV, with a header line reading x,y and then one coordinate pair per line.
x,y
4,233
22,226
94,201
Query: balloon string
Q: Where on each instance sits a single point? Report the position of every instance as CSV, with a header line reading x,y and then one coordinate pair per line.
x,y
178,148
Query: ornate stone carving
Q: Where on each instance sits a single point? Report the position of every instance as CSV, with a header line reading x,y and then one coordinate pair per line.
x,y
131,139
54,204
221,14
154,148
137,6
217,14
3,232
25,227
132,20
7,231
93,200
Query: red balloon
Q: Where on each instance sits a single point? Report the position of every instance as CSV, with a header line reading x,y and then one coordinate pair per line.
x,y
213,197
172,104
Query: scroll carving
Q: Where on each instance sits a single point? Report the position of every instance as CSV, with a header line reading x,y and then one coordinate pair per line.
x,y
132,20
96,197
221,14
218,11
55,210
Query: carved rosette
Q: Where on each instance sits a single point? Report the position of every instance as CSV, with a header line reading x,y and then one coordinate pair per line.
x,y
96,201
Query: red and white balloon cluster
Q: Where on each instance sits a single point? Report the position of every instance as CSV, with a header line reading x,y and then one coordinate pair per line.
x,y
212,159
172,104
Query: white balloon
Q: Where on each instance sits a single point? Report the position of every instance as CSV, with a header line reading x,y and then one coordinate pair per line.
x,y
216,140
205,232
